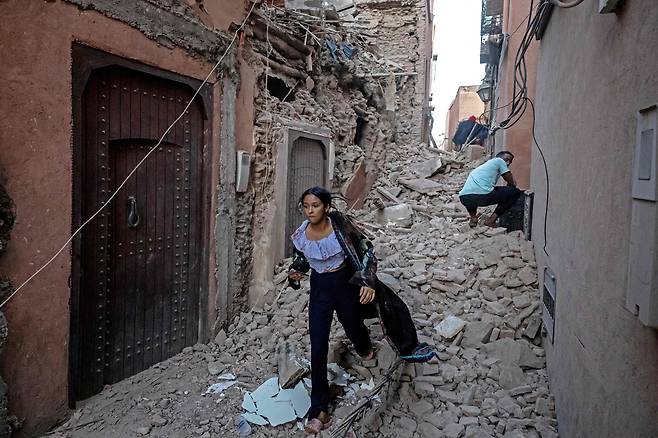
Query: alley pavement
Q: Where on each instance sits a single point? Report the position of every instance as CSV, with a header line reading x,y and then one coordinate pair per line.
x,y
472,293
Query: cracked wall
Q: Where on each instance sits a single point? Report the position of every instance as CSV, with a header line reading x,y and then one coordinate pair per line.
x,y
367,103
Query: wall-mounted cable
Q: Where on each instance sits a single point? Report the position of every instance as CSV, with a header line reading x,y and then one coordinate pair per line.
x,y
520,98
562,4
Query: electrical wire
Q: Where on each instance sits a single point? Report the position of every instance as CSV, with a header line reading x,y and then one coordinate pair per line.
x,y
562,4
345,425
548,181
527,17
520,98
520,86
123,183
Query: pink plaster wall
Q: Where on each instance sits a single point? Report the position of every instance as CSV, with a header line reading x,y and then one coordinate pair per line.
x,y
596,71
36,161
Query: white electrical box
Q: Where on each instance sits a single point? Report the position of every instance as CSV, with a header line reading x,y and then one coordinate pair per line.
x,y
548,295
642,289
609,6
242,172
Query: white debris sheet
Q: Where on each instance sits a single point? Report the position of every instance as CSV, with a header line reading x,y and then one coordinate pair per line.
x,y
226,381
219,388
270,404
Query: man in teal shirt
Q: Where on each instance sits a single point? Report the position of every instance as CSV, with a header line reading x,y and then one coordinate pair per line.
x,y
480,188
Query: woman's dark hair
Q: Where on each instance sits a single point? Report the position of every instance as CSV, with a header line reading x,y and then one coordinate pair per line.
x,y
321,193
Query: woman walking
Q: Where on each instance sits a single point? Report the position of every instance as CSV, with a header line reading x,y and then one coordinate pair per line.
x,y
343,279
317,246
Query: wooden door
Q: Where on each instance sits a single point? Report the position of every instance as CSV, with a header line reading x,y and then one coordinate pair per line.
x,y
307,168
140,260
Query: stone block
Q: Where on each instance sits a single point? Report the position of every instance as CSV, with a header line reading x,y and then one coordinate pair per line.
x,y
476,334
450,327
401,215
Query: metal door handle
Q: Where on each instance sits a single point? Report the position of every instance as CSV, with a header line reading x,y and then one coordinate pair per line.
x,y
133,214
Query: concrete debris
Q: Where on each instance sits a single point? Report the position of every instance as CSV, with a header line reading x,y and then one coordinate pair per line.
x,y
390,193
390,281
421,185
472,293
477,333
400,215
428,168
449,327
291,368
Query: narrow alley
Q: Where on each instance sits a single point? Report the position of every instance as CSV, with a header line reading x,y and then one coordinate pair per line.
x,y
192,190
473,294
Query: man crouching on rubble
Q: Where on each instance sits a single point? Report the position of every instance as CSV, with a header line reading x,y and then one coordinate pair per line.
x,y
480,188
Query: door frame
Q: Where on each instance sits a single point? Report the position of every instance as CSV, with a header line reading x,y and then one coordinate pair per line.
x,y
292,132
85,60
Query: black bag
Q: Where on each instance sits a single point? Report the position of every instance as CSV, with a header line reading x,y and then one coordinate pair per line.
x,y
396,320
393,315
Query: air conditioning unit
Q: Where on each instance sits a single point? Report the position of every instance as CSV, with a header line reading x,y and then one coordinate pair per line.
x,y
242,171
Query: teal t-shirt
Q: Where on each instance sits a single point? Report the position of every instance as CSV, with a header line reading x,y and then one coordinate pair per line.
x,y
484,177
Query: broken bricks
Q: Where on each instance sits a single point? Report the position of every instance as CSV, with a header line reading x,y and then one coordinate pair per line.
x,y
291,367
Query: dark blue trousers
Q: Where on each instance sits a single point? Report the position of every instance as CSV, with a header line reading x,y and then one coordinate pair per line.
x,y
331,291
504,196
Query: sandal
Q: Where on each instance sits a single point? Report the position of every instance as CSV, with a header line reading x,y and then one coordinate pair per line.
x,y
473,223
315,425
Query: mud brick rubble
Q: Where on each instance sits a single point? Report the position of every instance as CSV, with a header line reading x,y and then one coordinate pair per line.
x,y
473,294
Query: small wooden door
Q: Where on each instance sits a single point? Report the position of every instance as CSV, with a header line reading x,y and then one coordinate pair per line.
x,y
307,168
140,259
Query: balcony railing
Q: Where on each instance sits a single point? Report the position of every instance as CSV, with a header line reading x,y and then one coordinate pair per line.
x,y
491,24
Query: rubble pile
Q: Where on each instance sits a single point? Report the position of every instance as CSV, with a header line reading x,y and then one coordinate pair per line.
x,y
472,293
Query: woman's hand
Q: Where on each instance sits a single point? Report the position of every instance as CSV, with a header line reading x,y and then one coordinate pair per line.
x,y
295,276
366,295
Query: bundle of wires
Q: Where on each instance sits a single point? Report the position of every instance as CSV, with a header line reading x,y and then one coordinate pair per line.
x,y
520,99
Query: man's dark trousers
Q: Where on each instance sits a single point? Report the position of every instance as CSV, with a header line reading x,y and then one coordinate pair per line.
x,y
505,197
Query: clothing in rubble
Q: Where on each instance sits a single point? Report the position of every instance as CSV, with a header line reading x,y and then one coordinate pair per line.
x,y
471,132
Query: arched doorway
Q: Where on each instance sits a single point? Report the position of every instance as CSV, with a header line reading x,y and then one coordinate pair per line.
x,y
307,167
138,265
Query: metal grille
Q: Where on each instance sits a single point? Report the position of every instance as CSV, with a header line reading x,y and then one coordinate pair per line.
x,y
308,167
491,24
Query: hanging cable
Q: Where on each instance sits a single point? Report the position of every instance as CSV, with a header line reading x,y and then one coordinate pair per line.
x,y
548,181
562,4
123,183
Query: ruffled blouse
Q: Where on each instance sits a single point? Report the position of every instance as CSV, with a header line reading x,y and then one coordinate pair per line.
x,y
323,255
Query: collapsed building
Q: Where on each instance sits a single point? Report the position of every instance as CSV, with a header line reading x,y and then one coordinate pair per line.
x,y
302,96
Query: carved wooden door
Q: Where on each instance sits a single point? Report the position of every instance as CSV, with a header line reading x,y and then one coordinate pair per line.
x,y
140,259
